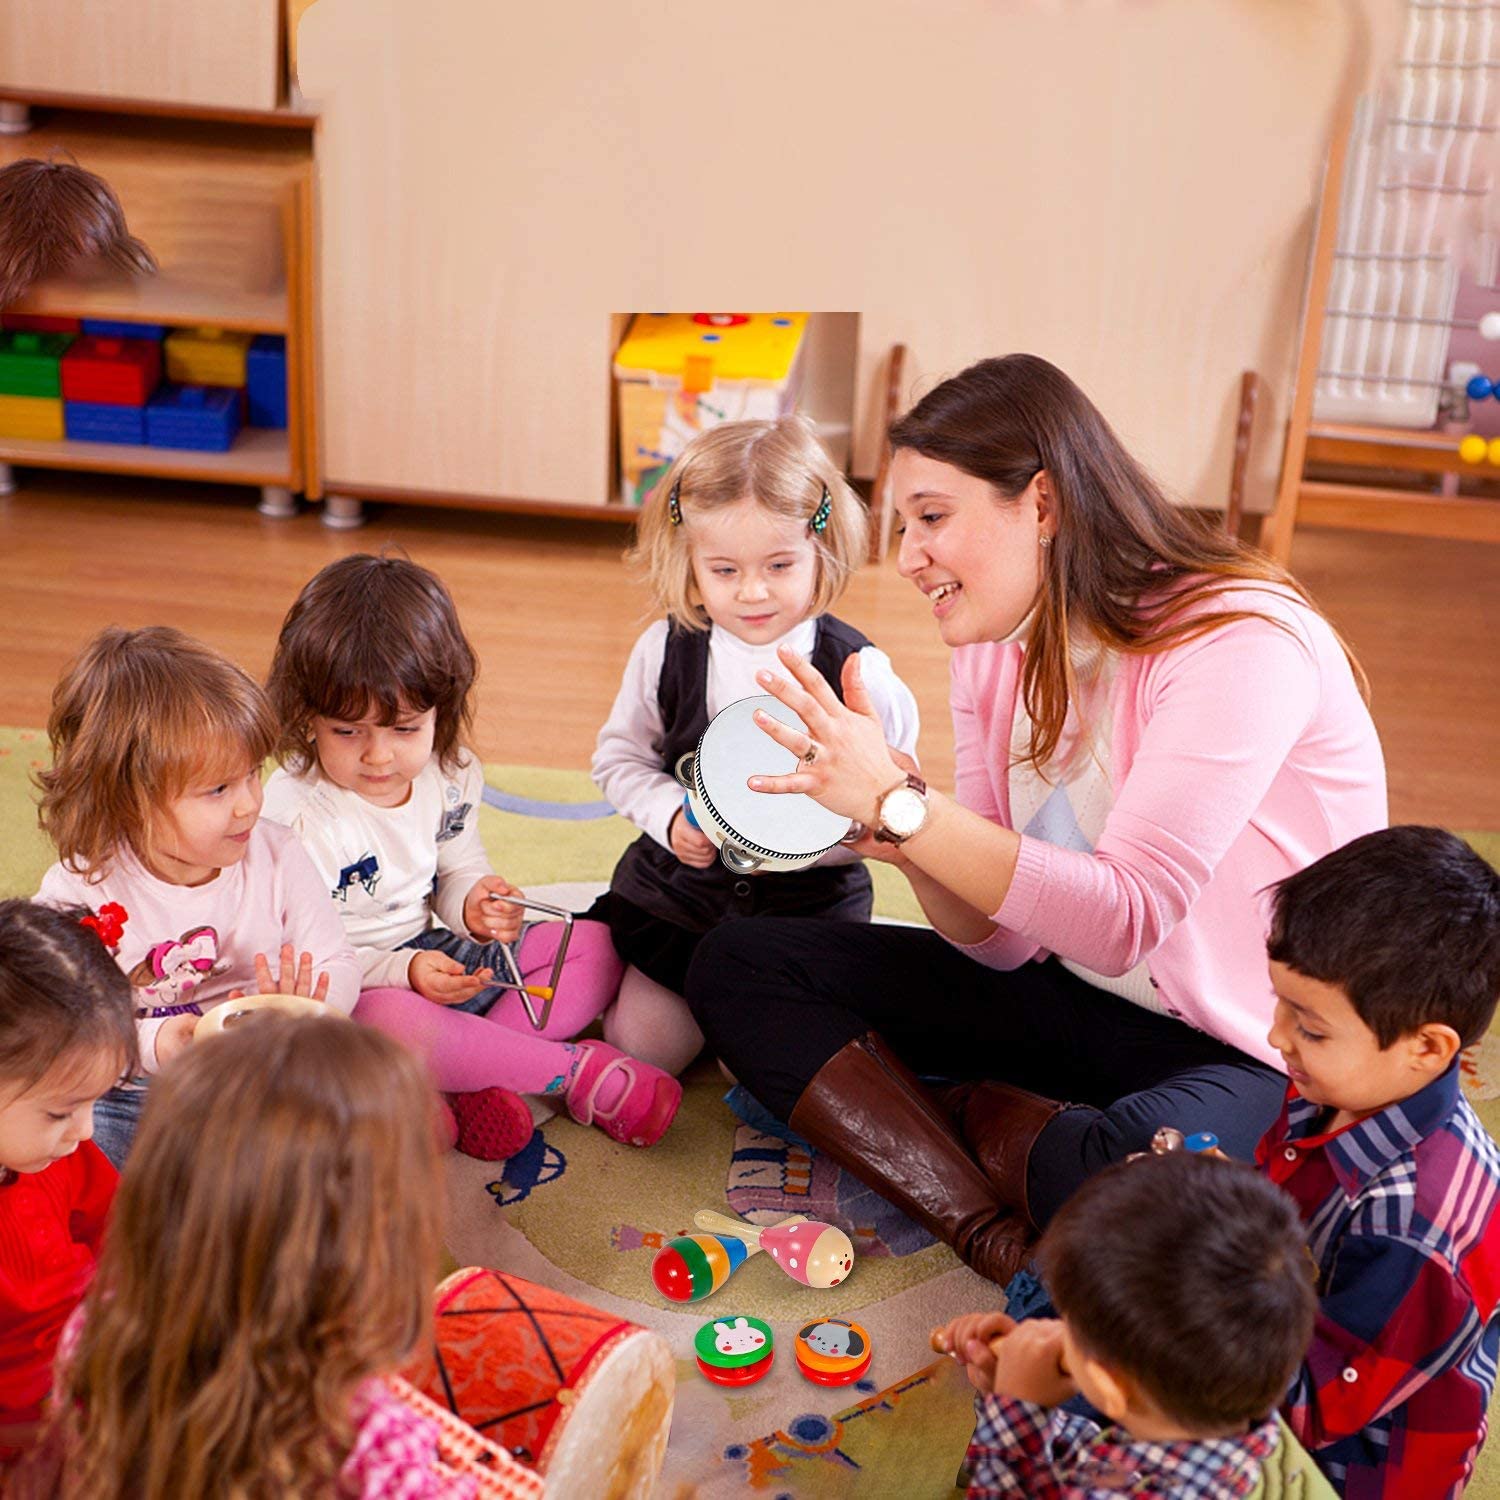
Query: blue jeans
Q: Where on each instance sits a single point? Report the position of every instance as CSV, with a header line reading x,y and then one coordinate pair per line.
x,y
472,956
116,1116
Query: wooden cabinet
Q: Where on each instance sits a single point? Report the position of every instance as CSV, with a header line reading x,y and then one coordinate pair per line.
x,y
214,54
1124,189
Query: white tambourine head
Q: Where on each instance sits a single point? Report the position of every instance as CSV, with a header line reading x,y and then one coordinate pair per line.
x,y
231,1011
733,749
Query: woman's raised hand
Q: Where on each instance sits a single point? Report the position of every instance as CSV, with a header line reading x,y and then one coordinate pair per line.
x,y
846,765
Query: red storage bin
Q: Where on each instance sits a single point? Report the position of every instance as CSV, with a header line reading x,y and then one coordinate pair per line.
x,y
114,372
37,323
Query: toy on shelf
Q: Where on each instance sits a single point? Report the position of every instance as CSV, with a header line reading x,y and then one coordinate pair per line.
x,y
30,363
832,1351
205,418
680,373
754,831
38,323
735,1351
104,422
816,1254
265,381
207,356
114,328
38,417
111,371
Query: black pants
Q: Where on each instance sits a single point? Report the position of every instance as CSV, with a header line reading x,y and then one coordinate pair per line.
x,y
776,998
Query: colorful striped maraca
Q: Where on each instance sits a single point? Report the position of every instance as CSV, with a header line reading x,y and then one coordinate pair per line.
x,y
811,1252
693,1265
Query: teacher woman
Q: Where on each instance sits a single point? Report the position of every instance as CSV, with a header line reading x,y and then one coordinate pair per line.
x,y
1152,723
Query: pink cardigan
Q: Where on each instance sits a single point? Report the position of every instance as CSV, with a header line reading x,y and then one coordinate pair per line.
x,y
1237,759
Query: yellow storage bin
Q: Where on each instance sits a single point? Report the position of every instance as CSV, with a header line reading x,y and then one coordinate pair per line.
x,y
677,374
207,356
31,417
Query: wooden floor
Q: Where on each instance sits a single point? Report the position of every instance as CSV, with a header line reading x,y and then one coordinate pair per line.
x,y
553,613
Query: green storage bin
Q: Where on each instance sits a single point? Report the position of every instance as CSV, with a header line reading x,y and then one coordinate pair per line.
x,y
29,363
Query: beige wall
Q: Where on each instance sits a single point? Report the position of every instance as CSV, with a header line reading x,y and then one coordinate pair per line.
x,y
221,53
1123,187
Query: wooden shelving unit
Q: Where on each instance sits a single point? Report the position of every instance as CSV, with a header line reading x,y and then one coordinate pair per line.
x,y
228,215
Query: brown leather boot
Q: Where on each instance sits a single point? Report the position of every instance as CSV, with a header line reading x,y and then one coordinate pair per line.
x,y
999,1123
866,1110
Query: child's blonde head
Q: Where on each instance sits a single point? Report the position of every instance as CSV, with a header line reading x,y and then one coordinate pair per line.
x,y
782,467
273,1246
138,718
372,635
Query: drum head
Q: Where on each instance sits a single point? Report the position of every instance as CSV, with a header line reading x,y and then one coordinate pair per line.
x,y
732,750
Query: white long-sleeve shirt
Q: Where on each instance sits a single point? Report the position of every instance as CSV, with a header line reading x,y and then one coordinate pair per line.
x,y
627,759
194,943
389,870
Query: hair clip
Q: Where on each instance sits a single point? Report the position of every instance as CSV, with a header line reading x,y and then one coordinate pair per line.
x,y
108,924
674,505
820,516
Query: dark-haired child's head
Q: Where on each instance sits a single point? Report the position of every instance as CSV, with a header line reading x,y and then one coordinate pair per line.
x,y
1385,957
372,675
1186,1293
67,1032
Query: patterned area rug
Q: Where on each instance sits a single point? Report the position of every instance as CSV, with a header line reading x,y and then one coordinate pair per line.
x,y
580,1214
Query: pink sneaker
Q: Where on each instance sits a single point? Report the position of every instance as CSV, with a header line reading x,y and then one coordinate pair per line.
x,y
629,1100
493,1123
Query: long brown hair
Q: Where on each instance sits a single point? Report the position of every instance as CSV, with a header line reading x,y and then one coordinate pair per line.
x,y
136,718
372,634
273,1246
56,217
1125,563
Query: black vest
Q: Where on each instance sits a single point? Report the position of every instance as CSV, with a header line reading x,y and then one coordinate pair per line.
x,y
654,879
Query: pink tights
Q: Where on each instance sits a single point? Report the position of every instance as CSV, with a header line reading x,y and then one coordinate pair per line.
x,y
468,1052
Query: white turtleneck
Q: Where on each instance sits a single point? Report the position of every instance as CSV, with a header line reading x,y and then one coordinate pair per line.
x,y
1068,805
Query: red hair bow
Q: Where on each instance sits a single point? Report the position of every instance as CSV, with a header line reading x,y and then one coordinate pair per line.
x,y
109,922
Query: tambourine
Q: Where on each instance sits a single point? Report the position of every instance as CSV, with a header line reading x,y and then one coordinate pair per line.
x,y
755,831
232,1012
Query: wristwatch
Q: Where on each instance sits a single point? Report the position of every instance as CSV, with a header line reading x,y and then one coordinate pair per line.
x,y
902,811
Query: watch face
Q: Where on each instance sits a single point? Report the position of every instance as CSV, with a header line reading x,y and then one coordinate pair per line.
x,y
903,812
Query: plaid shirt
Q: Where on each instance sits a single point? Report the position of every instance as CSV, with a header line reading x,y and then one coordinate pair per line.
x,y
1401,1217
1022,1449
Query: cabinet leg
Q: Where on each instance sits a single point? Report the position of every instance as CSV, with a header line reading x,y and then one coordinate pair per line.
x,y
342,512
7,480
15,117
278,501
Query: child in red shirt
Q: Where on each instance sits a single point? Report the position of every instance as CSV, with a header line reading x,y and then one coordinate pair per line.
x,y
66,1034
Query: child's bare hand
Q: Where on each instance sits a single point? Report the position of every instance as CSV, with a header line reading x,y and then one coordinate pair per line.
x,y
444,980
175,1035
1029,1364
294,977
493,921
691,845
968,1338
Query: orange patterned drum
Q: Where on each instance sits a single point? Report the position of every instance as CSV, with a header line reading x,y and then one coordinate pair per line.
x,y
581,1394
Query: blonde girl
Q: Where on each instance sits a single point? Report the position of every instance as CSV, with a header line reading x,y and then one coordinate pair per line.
x,y
746,544
268,1269
153,800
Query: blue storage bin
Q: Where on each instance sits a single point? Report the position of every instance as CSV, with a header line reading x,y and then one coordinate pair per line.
x,y
205,417
110,328
265,381
94,422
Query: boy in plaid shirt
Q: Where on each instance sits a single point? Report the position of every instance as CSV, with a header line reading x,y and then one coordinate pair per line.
x,y
1385,956
1186,1301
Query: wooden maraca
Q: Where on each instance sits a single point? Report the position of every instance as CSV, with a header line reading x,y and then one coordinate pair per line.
x,y
809,1251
